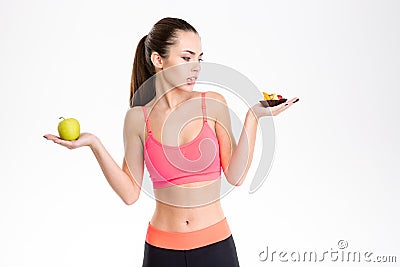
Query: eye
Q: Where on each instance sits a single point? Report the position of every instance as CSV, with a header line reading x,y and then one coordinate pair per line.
x,y
200,59
186,58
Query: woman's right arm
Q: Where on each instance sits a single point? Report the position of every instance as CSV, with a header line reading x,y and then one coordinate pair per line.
x,y
125,181
120,180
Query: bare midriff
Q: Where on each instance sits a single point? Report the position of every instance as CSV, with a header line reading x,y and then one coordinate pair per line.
x,y
176,215
188,226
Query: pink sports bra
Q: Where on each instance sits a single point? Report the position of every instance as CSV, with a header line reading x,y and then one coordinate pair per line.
x,y
197,160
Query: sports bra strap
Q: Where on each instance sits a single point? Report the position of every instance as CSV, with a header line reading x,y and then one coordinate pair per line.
x,y
203,106
147,120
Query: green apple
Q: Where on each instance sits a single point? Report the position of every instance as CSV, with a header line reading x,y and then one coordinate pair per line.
x,y
69,129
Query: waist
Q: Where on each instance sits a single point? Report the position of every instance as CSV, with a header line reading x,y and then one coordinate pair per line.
x,y
188,240
185,219
183,198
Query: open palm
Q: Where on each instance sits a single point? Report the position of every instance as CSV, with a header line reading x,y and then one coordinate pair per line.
x,y
85,139
261,111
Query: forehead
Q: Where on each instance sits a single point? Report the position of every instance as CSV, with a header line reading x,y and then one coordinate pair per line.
x,y
187,40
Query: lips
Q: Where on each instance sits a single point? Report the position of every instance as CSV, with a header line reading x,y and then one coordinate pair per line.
x,y
191,80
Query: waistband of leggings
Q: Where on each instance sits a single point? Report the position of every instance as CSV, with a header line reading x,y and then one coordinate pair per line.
x,y
188,240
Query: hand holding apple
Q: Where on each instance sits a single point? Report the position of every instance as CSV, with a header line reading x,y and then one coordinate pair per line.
x,y
70,136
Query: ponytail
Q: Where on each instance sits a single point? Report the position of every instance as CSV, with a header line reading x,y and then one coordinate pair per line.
x,y
142,70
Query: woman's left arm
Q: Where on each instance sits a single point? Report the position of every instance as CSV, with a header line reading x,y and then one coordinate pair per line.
x,y
236,158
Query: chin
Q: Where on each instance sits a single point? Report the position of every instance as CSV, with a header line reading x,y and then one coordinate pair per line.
x,y
186,87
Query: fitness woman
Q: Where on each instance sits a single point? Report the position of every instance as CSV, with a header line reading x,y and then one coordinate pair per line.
x,y
184,139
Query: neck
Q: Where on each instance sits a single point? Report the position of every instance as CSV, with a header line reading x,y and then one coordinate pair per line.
x,y
170,98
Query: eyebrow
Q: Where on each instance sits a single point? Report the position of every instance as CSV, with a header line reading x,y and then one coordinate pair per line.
x,y
192,53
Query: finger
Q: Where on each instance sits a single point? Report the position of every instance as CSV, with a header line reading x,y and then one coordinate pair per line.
x,y
281,107
288,104
278,108
63,143
58,140
50,137
293,100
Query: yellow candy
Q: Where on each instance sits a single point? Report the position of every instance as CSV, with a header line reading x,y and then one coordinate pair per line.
x,y
266,96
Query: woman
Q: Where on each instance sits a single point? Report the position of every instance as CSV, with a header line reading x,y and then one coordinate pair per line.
x,y
188,227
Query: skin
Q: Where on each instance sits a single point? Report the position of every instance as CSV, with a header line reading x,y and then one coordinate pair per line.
x,y
192,206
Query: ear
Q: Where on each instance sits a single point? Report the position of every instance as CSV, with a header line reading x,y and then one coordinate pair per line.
x,y
157,60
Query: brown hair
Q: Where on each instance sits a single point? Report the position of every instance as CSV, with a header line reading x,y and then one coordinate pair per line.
x,y
160,38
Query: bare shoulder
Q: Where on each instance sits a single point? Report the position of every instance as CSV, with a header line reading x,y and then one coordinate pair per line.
x,y
134,120
217,106
215,96
135,114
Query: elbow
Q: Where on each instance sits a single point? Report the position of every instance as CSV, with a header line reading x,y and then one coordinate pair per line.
x,y
130,200
235,181
235,177
238,183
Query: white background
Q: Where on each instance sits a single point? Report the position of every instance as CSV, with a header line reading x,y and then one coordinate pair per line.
x,y
336,169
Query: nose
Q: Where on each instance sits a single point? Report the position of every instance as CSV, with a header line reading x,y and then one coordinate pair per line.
x,y
196,66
